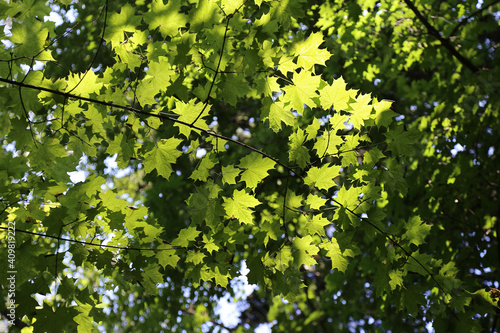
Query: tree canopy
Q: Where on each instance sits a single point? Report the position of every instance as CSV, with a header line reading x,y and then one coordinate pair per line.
x,y
344,152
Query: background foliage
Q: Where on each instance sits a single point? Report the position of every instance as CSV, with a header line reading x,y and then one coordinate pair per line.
x,y
248,133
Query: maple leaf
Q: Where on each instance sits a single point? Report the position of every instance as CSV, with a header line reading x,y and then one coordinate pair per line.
x,y
205,206
195,257
84,320
302,91
416,230
305,251
372,156
229,174
339,261
118,23
317,224
298,153
286,65
122,146
167,256
396,278
336,95
28,37
167,17
349,198
95,119
151,276
189,112
315,201
401,141
204,15
203,169
308,52
256,169
134,219
338,121
276,112
230,6
284,258
185,236
412,299
361,110
383,114
239,206
349,151
272,230
210,244
327,143
416,261
162,156
268,86
46,154
221,276
157,79
312,129
322,177
234,87
84,84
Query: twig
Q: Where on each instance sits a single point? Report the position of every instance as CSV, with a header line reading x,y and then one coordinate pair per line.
x,y
466,19
98,47
205,103
445,42
160,115
97,245
216,135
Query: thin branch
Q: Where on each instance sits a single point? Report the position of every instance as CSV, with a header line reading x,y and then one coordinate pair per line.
x,y
445,42
205,103
7,205
466,19
406,252
160,115
105,9
27,117
216,135
97,245
284,209
137,74
228,17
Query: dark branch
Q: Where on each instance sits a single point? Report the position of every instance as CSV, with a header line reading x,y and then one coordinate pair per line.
x,y
211,133
445,42
160,115
205,103
217,71
96,245
465,20
105,9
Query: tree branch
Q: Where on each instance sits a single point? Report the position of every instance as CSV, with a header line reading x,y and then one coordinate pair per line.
x,y
97,245
105,9
160,115
228,17
205,103
465,20
445,42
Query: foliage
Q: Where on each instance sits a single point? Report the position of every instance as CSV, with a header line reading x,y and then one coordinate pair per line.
x,y
249,134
